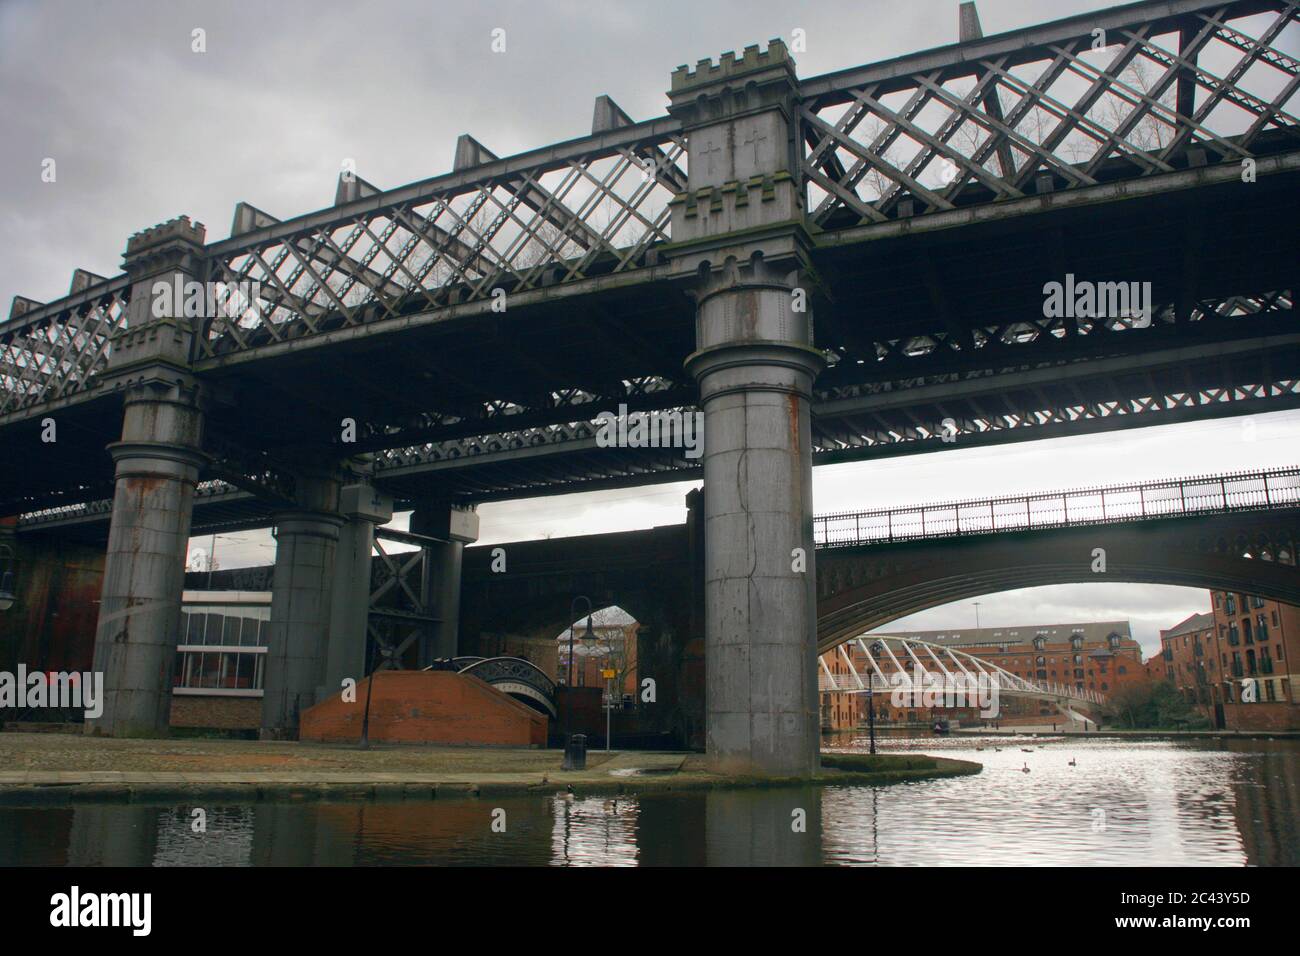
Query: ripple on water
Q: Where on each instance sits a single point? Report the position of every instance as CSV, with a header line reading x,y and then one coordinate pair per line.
x,y
1123,803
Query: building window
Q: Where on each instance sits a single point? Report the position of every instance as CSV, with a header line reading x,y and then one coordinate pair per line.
x,y
1261,627
220,653
1231,606
198,670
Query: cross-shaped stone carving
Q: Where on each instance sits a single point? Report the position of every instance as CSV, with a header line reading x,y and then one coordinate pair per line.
x,y
710,147
753,137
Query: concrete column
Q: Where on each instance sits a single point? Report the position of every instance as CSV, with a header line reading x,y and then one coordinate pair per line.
x,y
457,526
362,508
305,543
760,602
157,467
740,242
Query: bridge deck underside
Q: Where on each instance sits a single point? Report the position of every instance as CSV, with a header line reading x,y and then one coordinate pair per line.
x,y
942,324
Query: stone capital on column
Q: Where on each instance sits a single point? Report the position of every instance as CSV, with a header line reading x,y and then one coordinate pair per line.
x,y
444,520
153,349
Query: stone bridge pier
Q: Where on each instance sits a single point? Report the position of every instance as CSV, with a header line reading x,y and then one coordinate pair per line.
x,y
157,465
306,540
738,232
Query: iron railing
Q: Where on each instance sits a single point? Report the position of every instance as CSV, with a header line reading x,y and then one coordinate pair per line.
x,y
1180,497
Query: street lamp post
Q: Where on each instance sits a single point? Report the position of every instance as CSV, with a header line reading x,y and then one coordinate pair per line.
x,y
871,698
365,717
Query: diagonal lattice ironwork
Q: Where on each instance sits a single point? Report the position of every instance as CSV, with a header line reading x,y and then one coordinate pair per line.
x,y
1183,85
510,225
1014,340
53,352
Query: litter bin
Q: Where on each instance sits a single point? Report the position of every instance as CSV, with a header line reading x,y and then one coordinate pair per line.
x,y
575,752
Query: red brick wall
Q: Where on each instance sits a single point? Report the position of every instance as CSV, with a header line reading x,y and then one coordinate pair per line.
x,y
427,707
1262,716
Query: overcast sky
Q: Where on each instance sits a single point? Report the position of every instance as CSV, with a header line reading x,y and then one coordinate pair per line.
x,y
142,129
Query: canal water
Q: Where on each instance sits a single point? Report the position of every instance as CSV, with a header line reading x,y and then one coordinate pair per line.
x,y
1229,803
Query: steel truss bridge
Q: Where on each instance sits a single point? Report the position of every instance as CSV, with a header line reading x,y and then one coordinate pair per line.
x,y
916,666
940,191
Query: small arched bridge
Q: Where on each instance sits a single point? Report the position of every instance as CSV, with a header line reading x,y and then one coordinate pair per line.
x,y
889,663
518,678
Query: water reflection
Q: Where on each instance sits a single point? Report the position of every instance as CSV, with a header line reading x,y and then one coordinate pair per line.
x,y
1122,803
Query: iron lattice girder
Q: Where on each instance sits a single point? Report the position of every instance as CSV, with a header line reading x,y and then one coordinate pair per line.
x,y
401,610
356,264
552,215
312,265
1168,372
963,131
54,352
592,209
